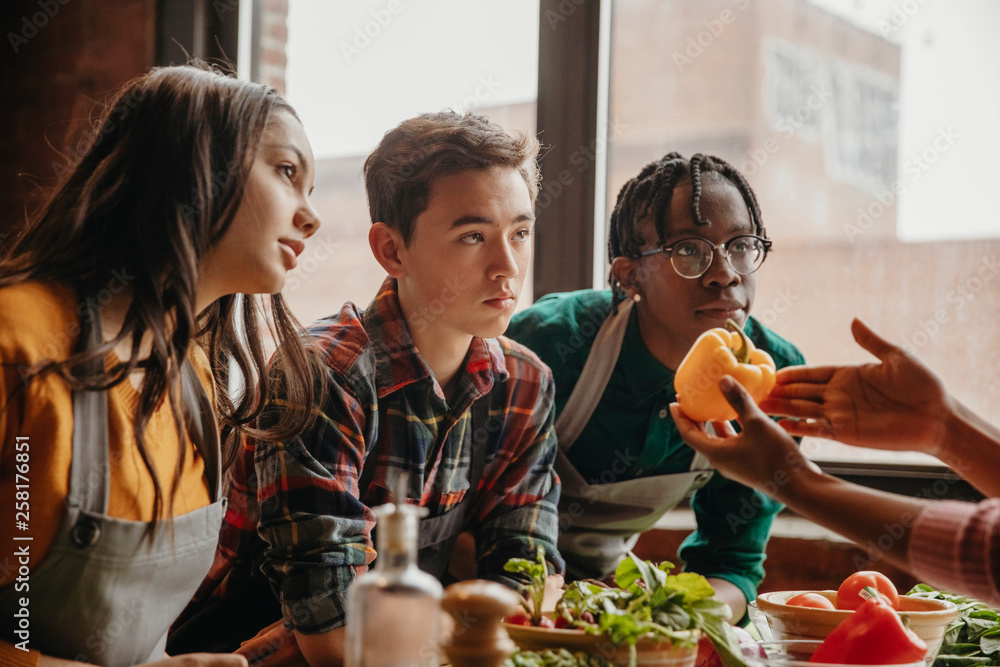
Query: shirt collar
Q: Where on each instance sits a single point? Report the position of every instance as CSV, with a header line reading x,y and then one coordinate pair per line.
x,y
398,362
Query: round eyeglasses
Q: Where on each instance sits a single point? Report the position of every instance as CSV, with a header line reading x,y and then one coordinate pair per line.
x,y
691,257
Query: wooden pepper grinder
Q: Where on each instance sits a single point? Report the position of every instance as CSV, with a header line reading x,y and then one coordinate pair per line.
x,y
478,638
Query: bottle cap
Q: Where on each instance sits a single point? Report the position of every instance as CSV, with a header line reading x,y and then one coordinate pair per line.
x,y
398,522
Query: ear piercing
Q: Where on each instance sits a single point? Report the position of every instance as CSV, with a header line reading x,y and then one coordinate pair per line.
x,y
637,297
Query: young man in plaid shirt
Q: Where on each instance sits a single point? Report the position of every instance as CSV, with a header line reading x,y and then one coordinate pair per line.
x,y
419,382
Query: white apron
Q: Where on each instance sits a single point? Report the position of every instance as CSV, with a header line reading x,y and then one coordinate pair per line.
x,y
600,523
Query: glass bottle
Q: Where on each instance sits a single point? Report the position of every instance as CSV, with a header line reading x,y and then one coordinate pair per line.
x,y
394,609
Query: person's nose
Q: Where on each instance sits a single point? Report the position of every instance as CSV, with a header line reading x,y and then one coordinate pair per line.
x,y
307,218
503,262
720,272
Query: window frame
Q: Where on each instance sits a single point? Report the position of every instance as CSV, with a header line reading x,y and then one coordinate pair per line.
x,y
573,49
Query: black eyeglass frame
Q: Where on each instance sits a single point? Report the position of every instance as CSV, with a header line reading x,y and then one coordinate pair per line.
x,y
668,249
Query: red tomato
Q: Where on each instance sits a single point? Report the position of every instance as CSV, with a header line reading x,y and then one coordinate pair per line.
x,y
848,595
517,619
561,622
814,600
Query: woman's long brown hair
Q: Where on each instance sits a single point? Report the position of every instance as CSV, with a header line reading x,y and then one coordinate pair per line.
x,y
158,187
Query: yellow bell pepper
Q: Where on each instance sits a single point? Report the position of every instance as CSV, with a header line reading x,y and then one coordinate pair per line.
x,y
719,352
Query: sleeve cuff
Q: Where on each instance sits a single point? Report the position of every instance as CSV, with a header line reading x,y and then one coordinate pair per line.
x,y
313,605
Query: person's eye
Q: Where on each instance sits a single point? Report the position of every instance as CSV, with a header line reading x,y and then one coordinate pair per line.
x,y
288,170
687,249
474,237
522,234
742,246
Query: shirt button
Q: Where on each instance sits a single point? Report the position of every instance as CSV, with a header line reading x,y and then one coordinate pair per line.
x,y
663,413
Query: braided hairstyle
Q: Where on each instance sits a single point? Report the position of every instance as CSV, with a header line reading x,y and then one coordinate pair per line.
x,y
650,193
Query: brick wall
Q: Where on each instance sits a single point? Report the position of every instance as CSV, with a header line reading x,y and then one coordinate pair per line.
x,y
58,58
274,37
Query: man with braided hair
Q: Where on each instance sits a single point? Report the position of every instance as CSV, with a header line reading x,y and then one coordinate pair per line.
x,y
685,242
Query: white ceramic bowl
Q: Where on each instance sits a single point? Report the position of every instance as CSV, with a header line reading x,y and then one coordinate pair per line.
x,y
927,618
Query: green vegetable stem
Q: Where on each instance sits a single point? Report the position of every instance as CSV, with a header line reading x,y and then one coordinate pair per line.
x,y
537,572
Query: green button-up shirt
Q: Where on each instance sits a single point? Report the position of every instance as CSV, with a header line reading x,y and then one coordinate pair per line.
x,y
733,521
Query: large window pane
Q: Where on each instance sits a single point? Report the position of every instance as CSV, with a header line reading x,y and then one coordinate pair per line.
x,y
868,131
354,71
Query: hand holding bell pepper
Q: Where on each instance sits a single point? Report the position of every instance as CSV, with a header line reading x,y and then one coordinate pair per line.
x,y
716,353
873,634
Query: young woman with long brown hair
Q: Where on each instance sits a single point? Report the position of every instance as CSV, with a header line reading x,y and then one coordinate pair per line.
x,y
126,317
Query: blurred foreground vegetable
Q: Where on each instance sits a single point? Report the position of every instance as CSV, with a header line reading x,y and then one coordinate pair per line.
x,y
555,658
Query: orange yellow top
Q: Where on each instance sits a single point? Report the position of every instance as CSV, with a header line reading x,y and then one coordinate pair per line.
x,y
40,322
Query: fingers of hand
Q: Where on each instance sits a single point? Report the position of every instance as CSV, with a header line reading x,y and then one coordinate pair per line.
x,y
819,428
792,408
870,340
738,397
808,391
723,429
272,647
806,374
690,431
277,625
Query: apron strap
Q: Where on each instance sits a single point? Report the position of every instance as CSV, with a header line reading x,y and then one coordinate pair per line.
x,y
594,377
90,471
202,427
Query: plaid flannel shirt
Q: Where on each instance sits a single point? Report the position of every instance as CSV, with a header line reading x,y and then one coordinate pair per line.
x,y
296,512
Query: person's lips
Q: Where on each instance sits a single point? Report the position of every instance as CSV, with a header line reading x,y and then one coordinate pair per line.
x,y
292,248
294,245
503,301
722,310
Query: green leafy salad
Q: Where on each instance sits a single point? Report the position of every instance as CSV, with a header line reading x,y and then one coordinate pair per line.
x,y
555,658
646,601
973,638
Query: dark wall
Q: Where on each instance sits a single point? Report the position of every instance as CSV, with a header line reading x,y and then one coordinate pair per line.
x,y
58,58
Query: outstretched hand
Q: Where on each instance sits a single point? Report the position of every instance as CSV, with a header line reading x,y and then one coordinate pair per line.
x,y
762,455
896,404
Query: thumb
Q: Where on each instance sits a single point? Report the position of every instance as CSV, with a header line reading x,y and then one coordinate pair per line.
x,y
737,397
871,341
